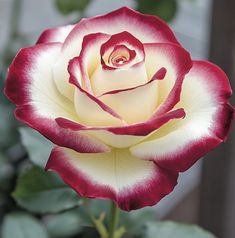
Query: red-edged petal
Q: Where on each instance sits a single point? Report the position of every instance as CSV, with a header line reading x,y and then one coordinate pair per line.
x,y
146,28
208,120
129,74
177,63
89,58
130,182
138,129
135,104
31,87
56,34
90,109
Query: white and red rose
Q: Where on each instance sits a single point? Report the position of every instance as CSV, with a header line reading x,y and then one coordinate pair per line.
x,y
124,104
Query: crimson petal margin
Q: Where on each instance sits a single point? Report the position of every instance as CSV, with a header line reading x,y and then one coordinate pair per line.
x,y
138,129
131,184
209,116
23,87
144,27
89,56
56,34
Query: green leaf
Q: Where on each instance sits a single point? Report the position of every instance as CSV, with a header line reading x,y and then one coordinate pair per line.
x,y
44,192
135,220
70,6
22,225
165,9
6,173
37,146
168,229
66,224
7,126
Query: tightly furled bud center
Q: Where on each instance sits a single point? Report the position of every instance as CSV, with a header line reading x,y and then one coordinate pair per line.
x,y
121,56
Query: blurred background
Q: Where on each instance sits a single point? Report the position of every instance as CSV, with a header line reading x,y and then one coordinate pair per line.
x,y
205,194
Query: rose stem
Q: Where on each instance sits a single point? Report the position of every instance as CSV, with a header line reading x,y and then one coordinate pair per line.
x,y
114,214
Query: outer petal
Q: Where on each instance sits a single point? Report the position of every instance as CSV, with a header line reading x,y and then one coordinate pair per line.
x,y
132,183
30,86
146,28
177,63
56,34
208,119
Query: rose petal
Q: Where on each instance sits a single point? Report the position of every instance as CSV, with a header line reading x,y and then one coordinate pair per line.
x,y
104,80
146,28
115,140
177,63
119,56
31,87
208,119
116,175
90,110
56,34
133,46
89,58
135,104
138,129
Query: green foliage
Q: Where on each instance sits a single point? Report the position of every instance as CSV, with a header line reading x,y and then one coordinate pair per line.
x,y
7,126
135,220
170,229
22,225
165,9
37,146
64,225
6,173
70,6
44,192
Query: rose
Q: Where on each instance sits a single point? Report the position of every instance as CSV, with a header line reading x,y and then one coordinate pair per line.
x,y
126,106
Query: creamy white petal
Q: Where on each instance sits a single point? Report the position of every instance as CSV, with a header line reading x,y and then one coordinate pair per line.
x,y
104,80
134,105
116,175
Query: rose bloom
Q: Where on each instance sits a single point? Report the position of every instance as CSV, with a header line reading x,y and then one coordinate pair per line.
x,y
124,104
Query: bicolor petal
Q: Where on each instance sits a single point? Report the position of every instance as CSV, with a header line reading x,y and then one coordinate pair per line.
x,y
135,104
130,182
56,34
208,119
89,58
121,50
146,28
90,110
31,87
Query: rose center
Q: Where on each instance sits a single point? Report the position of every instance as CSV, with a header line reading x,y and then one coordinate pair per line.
x,y
120,56
119,59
